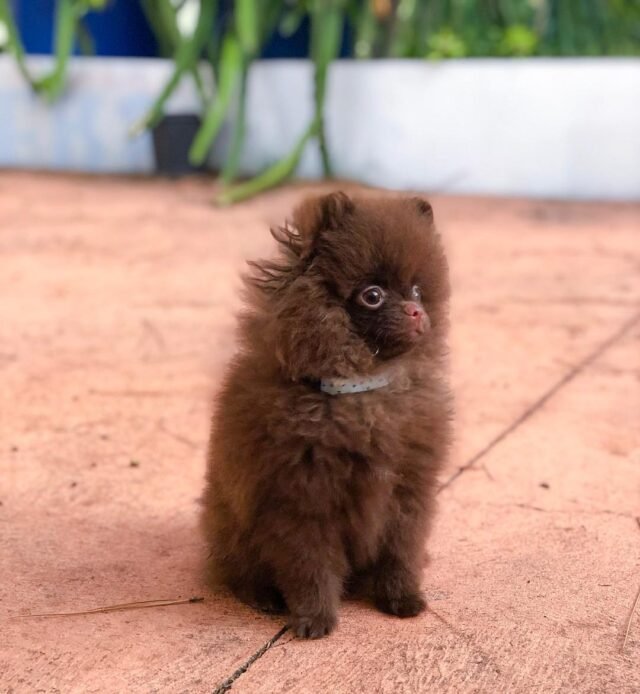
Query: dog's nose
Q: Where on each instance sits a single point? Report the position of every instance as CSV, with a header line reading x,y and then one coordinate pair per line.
x,y
412,309
417,316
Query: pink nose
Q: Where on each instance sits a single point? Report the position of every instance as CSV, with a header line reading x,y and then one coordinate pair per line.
x,y
417,316
413,310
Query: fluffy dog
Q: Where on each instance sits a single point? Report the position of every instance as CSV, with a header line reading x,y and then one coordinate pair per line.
x,y
334,417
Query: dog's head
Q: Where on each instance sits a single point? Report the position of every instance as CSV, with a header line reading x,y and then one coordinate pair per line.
x,y
359,282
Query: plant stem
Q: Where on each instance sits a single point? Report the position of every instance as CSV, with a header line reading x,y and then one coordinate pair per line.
x,y
166,15
15,44
186,59
326,35
246,21
85,40
231,62
66,20
232,163
197,80
271,177
253,24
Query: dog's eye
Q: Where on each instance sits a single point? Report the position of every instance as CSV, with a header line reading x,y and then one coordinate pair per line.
x,y
416,293
371,297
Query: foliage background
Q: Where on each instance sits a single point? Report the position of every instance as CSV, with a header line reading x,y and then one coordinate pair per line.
x,y
215,42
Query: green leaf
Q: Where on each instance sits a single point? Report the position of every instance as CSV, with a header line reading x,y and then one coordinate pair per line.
x,y
366,30
246,16
166,14
162,19
15,43
446,44
271,11
272,177
232,162
186,58
290,22
231,62
518,40
85,40
66,20
326,36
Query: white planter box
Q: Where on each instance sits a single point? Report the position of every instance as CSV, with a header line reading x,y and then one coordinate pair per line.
x,y
87,129
555,128
562,128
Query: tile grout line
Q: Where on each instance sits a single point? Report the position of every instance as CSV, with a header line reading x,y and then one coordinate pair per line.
x,y
544,398
228,683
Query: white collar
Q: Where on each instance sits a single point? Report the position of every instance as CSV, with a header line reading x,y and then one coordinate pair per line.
x,y
346,386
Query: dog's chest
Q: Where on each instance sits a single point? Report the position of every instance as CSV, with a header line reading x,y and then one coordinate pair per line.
x,y
366,507
373,431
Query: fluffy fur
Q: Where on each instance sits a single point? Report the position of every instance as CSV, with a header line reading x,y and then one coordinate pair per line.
x,y
308,494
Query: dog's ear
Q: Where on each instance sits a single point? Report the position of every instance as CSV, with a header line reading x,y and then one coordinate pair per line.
x,y
305,327
312,218
423,207
317,215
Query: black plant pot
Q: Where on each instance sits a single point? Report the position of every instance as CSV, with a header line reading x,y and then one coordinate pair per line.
x,y
172,138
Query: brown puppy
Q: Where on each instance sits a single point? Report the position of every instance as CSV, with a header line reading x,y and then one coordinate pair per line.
x,y
309,488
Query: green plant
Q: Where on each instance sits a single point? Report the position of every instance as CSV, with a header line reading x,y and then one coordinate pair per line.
x,y
223,45
69,27
186,51
230,49
326,34
434,29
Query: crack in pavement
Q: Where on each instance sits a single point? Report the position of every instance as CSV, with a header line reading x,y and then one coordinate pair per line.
x,y
228,683
539,403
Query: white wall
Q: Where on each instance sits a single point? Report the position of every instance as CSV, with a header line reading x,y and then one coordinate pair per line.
x,y
566,128
554,128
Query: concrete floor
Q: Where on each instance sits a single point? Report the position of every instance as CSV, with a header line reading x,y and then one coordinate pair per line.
x,y
116,320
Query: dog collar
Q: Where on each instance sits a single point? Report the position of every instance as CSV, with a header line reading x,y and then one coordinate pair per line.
x,y
345,386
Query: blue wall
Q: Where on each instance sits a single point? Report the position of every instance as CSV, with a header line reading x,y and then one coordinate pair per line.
x,y
119,30
122,30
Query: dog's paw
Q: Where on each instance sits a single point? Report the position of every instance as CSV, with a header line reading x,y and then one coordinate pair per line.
x,y
408,605
313,627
